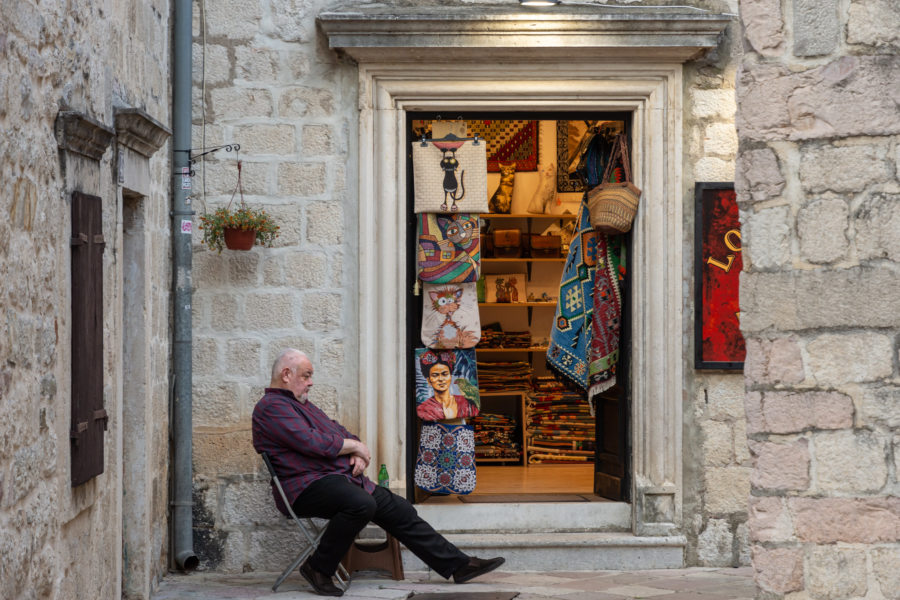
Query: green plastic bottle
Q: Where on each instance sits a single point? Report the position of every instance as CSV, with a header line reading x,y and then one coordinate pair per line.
x,y
383,479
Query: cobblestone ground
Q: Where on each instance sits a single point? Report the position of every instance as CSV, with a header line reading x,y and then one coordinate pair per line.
x,y
671,584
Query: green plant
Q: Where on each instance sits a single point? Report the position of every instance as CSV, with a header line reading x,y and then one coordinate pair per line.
x,y
214,225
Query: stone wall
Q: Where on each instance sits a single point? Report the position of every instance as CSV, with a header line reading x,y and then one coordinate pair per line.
x,y
89,57
820,205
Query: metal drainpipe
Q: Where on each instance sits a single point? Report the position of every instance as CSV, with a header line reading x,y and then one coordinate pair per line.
x,y
182,505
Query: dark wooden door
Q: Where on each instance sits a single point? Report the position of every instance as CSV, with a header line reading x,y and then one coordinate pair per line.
x,y
88,414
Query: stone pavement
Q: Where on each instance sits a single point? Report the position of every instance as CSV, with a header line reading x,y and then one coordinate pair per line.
x,y
670,584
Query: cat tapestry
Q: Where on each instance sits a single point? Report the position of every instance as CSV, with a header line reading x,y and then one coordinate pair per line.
x,y
450,316
450,176
449,248
446,384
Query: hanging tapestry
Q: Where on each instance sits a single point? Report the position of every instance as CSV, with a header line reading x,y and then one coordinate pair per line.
x,y
581,151
570,338
450,316
450,176
449,248
606,316
446,384
507,141
445,463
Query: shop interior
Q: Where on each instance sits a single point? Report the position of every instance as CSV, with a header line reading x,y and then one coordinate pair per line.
x,y
535,439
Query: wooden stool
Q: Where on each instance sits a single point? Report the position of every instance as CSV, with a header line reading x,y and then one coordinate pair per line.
x,y
384,556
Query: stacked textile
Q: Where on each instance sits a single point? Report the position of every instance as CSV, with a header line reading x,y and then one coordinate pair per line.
x,y
558,425
495,437
509,376
492,337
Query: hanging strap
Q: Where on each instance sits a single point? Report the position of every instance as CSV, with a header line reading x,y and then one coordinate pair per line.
x,y
619,152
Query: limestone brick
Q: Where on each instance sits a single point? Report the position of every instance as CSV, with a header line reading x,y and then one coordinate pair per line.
x,y
302,179
722,396
299,102
816,27
828,354
301,343
743,543
248,503
886,566
720,139
728,489
753,407
242,357
217,67
223,313
290,220
763,25
780,466
712,104
243,268
877,221
777,103
880,406
326,397
847,520
268,311
207,266
240,103
825,296
266,139
215,136
873,22
710,168
295,62
822,229
325,223
825,168
715,543
321,312
768,300
216,404
770,234
836,573
792,412
225,453
718,442
774,361
293,19
221,179
770,520
233,19
318,140
267,546
850,461
741,449
332,359
205,356
778,570
254,63
304,270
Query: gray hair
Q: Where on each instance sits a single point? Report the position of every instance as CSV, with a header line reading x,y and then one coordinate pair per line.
x,y
279,363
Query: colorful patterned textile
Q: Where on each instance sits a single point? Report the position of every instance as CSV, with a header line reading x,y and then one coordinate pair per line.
x,y
446,384
450,317
450,176
449,248
445,463
606,317
508,141
570,339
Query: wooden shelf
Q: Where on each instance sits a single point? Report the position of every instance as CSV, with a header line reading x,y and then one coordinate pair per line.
x,y
497,460
512,393
531,349
526,260
525,216
518,304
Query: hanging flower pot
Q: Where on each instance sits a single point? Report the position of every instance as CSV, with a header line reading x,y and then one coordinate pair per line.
x,y
239,239
237,229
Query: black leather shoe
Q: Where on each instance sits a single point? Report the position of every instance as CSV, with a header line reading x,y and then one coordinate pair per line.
x,y
476,567
320,582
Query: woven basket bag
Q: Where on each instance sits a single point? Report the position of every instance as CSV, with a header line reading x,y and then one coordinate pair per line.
x,y
612,206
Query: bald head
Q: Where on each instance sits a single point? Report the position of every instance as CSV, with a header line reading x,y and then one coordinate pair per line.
x,y
289,358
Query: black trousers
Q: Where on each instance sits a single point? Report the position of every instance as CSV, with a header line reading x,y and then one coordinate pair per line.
x,y
349,508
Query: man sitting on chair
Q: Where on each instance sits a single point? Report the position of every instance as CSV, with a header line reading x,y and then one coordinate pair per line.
x,y
320,465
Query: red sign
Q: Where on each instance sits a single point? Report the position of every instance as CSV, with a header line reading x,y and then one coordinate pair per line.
x,y
720,344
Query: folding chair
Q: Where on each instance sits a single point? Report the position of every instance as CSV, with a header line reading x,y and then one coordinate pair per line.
x,y
312,532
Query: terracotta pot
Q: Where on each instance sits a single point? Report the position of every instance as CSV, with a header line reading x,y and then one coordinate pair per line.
x,y
240,239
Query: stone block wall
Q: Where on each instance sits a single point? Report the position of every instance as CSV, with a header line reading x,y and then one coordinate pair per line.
x,y
269,85
88,57
819,133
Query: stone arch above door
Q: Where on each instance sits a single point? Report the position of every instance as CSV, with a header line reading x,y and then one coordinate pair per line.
x,y
573,60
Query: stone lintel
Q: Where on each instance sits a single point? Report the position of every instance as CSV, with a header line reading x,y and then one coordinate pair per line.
x,y
139,131
76,132
497,33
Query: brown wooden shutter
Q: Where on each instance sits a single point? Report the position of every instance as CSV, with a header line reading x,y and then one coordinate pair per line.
x,y
88,415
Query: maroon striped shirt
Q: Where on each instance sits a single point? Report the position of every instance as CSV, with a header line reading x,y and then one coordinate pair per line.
x,y
302,443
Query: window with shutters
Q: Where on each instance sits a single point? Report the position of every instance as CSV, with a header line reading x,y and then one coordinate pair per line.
x,y
89,417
